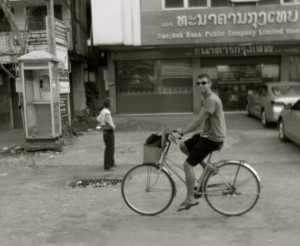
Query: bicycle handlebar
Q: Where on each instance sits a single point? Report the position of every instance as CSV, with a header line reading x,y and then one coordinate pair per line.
x,y
167,132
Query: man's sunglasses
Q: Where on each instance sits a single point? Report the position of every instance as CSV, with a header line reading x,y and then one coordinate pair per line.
x,y
201,83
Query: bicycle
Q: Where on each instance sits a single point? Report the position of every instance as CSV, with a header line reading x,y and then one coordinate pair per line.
x,y
230,187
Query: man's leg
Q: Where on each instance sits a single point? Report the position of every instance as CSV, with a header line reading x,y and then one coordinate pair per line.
x,y
109,150
190,182
189,172
183,148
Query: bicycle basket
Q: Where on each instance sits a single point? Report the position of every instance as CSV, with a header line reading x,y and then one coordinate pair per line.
x,y
152,154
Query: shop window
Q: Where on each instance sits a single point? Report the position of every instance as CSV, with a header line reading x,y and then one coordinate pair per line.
x,y
175,76
270,72
245,2
174,3
154,86
230,3
158,77
135,76
294,72
36,16
4,24
171,4
269,2
221,3
197,3
290,1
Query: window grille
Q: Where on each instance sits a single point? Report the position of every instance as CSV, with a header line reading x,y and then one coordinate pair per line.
x,y
37,14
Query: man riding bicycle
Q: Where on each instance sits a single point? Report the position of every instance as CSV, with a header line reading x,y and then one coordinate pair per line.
x,y
211,121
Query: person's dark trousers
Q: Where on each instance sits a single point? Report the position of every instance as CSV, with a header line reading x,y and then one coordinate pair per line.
x,y
109,140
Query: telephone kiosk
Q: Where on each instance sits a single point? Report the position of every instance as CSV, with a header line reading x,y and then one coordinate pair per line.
x,y
40,86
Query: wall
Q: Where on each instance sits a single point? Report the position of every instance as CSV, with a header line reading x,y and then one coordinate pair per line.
x,y
153,5
79,100
79,26
5,102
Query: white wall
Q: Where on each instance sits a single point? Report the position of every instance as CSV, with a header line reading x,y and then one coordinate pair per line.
x,y
116,22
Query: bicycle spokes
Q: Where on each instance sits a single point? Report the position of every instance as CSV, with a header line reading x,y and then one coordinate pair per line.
x,y
148,189
234,190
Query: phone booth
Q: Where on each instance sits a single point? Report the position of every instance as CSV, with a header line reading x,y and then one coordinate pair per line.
x,y
39,75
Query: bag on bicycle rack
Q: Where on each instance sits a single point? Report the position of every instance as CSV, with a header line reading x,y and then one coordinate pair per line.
x,y
152,149
154,140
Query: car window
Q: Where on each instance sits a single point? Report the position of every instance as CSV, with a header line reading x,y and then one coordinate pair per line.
x,y
279,90
296,106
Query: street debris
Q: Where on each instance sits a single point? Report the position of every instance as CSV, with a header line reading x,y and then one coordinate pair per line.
x,y
98,182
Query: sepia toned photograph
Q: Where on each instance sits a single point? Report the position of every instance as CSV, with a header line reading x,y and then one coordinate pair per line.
x,y
149,122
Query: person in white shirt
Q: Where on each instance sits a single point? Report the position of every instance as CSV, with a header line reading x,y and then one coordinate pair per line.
x,y
108,127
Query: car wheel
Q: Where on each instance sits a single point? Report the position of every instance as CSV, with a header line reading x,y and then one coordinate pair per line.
x,y
281,132
248,110
264,121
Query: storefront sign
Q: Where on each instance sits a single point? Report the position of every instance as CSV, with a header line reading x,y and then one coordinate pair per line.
x,y
64,112
60,34
221,25
37,38
233,50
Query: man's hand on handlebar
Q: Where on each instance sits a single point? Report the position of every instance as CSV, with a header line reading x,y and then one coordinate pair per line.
x,y
175,135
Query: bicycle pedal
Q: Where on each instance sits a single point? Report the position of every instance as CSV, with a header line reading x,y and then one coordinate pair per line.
x,y
196,194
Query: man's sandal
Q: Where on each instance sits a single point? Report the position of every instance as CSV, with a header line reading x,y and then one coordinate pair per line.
x,y
186,206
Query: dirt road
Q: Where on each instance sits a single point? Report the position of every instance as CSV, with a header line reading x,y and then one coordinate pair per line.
x,y
37,207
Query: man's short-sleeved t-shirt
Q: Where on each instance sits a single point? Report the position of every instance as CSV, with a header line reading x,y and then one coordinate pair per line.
x,y
215,126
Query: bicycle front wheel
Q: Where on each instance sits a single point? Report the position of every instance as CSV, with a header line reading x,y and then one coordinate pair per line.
x,y
233,190
148,189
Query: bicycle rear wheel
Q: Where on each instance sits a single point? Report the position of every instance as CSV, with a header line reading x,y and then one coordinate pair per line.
x,y
233,190
147,189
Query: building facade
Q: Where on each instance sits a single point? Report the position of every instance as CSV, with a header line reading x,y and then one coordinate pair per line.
x,y
71,31
159,47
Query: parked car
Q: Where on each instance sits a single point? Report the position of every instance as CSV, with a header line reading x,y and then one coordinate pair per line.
x,y
268,99
289,123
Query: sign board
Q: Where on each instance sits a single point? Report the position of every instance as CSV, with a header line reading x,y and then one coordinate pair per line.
x,y
37,38
62,54
60,31
64,82
64,105
221,25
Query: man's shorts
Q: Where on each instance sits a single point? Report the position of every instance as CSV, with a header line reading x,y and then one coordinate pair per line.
x,y
200,147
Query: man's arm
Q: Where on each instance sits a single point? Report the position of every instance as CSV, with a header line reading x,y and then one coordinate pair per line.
x,y
109,121
195,124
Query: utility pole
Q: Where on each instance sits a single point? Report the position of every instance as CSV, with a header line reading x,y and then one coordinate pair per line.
x,y
51,26
15,30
